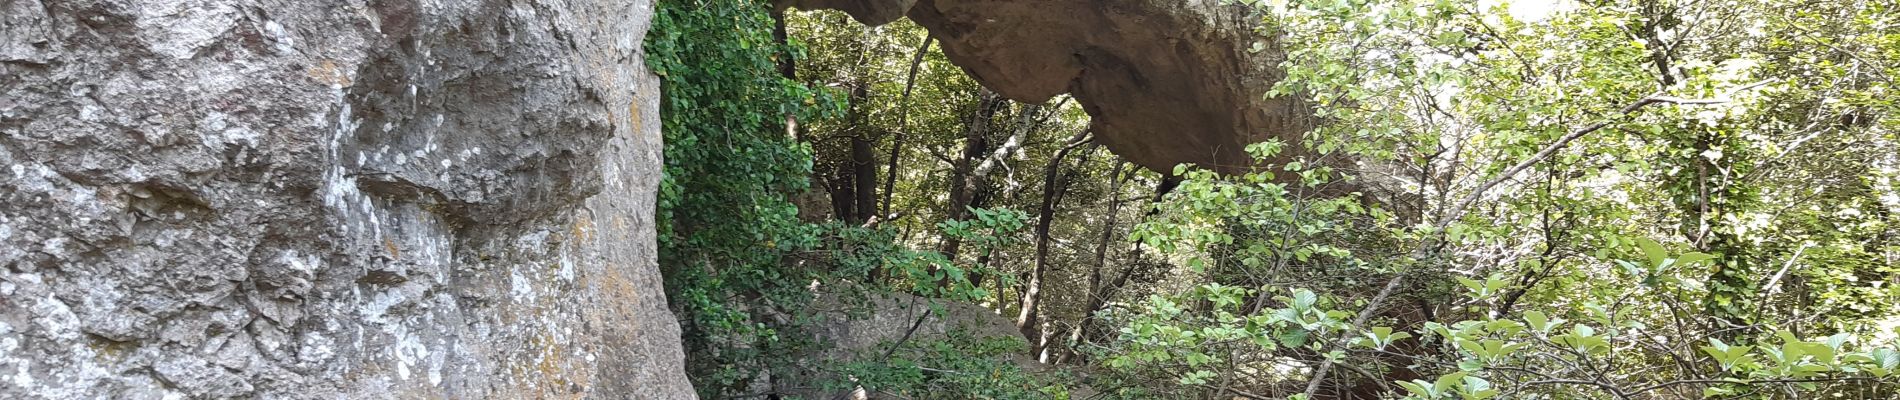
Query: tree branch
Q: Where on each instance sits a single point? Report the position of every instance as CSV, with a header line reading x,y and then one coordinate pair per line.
x,y
903,117
1458,211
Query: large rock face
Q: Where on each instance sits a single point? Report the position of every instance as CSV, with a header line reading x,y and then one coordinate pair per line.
x,y
330,199
1165,81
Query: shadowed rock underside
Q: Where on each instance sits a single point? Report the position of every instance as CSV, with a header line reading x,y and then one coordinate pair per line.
x,y
1164,81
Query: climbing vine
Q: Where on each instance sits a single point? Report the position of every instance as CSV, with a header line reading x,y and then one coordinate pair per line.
x,y
725,221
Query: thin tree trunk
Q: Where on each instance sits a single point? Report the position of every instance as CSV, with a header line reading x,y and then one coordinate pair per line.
x,y
1108,232
1732,264
1121,280
963,178
1028,320
903,118
839,185
1097,299
849,180
864,175
982,260
788,68
1000,304
1025,123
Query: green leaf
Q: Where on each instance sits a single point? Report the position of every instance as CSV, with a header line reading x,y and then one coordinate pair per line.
x,y
1293,337
1839,339
1477,287
1419,388
1539,322
1446,383
1304,299
1886,358
1693,258
1196,377
1652,250
1476,388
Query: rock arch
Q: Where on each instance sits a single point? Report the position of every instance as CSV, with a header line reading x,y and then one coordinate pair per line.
x,y
1165,81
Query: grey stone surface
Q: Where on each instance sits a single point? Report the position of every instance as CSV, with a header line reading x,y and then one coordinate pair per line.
x,y
860,328
890,316
330,199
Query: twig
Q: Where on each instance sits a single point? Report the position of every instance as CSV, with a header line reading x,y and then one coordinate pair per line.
x,y
1243,393
1458,211
1772,289
1607,387
900,343
1719,99
1748,382
1319,374
907,333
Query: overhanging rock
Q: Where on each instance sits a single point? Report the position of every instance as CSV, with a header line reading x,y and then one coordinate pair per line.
x,y
1165,81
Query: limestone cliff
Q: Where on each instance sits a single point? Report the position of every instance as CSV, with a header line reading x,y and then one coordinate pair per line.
x,y
1164,81
330,199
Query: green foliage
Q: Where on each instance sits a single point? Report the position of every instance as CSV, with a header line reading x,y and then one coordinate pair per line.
x,y
1676,220
960,366
1166,341
725,224
987,230
1611,199
736,257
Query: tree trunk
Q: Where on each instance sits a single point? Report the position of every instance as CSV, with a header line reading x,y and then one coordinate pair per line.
x,y
1731,291
1097,299
903,119
864,176
854,181
839,185
1028,320
963,179
787,67
1100,301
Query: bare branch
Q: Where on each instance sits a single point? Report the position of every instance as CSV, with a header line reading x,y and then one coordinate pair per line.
x,y
1458,211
